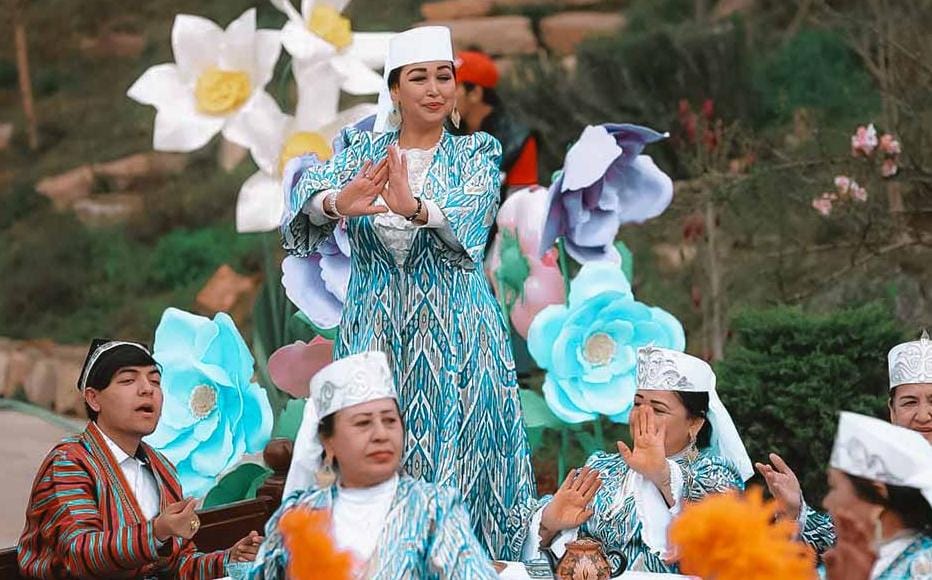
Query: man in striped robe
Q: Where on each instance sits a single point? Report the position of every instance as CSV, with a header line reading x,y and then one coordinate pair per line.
x,y
105,504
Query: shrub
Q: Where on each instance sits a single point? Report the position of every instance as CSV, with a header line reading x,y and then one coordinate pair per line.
x,y
787,374
185,257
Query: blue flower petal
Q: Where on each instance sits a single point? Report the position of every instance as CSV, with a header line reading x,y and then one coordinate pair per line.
x,y
598,229
257,418
612,397
543,332
642,189
215,454
597,277
193,484
565,358
562,407
676,336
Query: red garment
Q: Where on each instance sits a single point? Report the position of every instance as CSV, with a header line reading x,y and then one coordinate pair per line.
x,y
83,520
524,170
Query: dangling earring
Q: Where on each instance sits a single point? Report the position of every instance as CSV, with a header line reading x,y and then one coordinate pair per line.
x,y
394,118
325,474
692,453
455,117
878,530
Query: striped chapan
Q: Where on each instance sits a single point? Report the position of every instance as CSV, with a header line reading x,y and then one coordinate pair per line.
x,y
83,521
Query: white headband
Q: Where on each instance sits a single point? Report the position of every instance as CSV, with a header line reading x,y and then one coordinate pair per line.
x,y
98,352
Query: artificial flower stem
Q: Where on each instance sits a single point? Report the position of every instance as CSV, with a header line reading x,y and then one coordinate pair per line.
x,y
597,431
272,295
564,268
561,456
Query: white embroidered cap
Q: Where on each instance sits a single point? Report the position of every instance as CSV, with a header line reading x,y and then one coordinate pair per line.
x,y
356,379
911,362
662,369
421,44
880,451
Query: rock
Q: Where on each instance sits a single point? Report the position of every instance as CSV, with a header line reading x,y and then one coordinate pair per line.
x,y
20,366
6,135
672,258
562,32
5,356
230,155
227,291
128,171
68,399
726,8
108,209
68,187
496,35
518,4
453,9
114,44
41,383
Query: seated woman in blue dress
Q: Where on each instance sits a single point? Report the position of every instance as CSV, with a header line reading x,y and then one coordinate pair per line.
x,y
393,526
685,447
880,491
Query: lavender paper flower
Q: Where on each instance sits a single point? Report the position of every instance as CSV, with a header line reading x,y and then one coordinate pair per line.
x,y
317,284
605,183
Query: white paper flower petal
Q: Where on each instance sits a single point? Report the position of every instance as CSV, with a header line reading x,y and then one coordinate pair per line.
x,y
370,48
348,117
182,130
194,45
238,51
260,204
160,86
288,8
302,45
261,126
308,5
268,50
358,78
318,94
589,158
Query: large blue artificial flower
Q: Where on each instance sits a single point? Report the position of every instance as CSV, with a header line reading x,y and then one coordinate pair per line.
x,y
213,413
605,183
589,348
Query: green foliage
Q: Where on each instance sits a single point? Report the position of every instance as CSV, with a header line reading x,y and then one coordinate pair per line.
x,y
788,374
816,70
19,202
186,257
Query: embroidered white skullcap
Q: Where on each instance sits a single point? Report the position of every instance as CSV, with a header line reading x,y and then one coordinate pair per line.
x,y
911,362
880,451
662,369
421,44
356,379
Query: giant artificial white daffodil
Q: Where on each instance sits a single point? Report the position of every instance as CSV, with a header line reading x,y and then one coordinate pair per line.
x,y
320,32
315,124
216,84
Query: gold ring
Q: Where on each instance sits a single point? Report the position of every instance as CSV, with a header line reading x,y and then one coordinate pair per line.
x,y
195,524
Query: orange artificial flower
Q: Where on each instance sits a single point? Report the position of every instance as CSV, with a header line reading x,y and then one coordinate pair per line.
x,y
734,536
312,554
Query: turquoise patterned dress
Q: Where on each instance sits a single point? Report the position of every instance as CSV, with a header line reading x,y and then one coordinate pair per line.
x,y
426,535
816,529
914,562
616,522
434,315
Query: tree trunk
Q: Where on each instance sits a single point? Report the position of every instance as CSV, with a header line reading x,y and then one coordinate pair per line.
x,y
22,65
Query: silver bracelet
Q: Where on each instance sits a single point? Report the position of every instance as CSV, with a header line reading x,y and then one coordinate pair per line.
x,y
331,205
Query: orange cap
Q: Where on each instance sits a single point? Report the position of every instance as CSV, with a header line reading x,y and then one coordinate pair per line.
x,y
476,68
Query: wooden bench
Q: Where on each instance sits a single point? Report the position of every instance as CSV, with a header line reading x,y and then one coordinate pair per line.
x,y
221,526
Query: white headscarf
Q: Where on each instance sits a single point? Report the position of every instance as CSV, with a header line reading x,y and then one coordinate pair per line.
x,y
356,379
422,44
911,362
662,369
880,451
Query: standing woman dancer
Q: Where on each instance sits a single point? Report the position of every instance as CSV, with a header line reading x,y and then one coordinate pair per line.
x,y
417,203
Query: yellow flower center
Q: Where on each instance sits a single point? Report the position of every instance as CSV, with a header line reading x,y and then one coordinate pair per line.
x,y
326,22
303,143
220,92
203,400
599,349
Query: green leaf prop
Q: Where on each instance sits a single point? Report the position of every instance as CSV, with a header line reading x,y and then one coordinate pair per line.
x,y
241,483
627,260
537,414
290,419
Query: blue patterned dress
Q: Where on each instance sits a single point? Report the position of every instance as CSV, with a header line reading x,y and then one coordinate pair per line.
x,y
816,529
426,535
615,521
435,317
915,562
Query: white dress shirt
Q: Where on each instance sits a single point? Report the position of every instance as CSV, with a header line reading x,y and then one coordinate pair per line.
x,y
140,478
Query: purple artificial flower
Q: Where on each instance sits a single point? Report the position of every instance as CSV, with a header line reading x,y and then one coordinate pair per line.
x,y
317,283
605,183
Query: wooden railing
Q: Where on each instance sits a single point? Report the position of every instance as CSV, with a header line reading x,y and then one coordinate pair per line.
x,y
221,526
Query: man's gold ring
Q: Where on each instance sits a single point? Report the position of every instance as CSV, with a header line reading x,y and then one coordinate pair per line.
x,y
195,524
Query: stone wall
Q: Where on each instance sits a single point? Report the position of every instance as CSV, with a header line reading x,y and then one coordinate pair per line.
x,y
44,373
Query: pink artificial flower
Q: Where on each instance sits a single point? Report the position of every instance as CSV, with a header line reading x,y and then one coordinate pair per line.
x,y
889,144
822,204
889,168
859,193
864,140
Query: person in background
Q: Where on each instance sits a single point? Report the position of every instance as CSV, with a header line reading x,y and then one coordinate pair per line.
x,y
106,505
481,109
910,406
